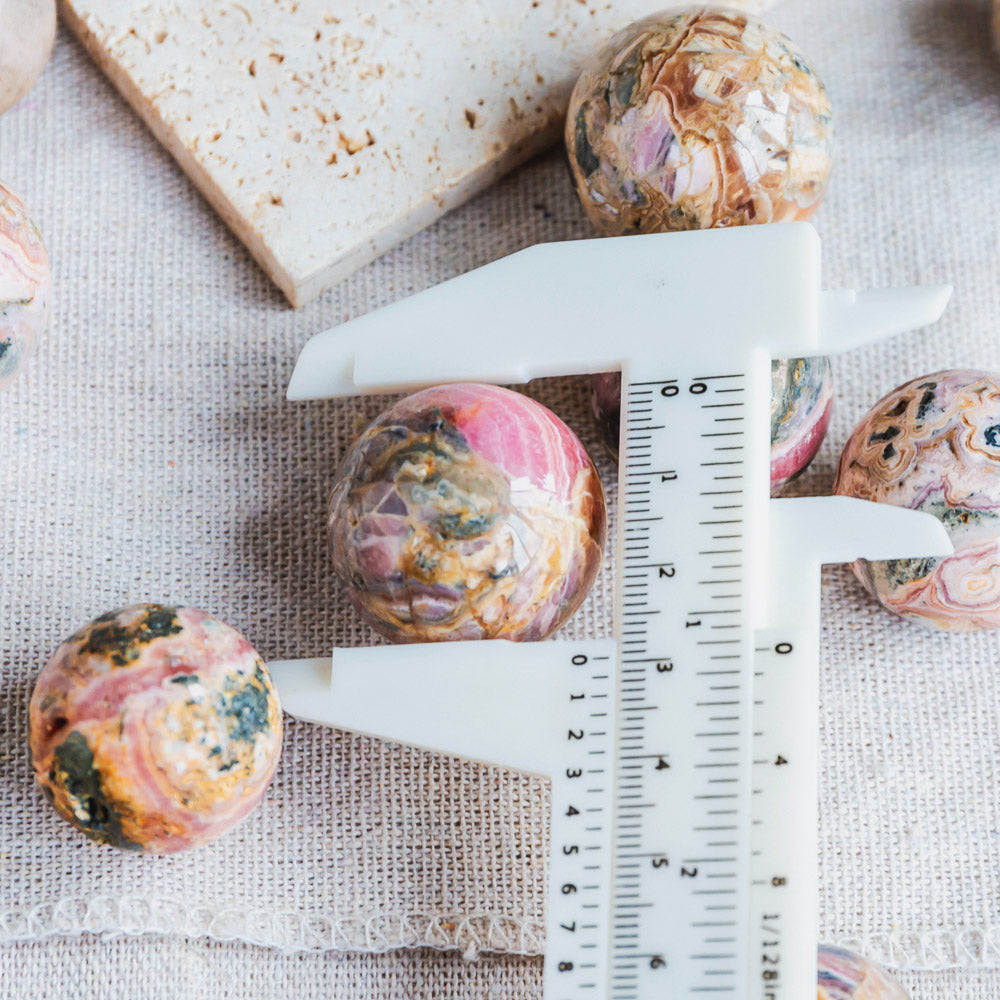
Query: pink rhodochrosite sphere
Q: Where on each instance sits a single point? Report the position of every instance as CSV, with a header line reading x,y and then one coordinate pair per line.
x,y
801,403
155,728
698,118
933,445
25,285
846,976
467,512
703,118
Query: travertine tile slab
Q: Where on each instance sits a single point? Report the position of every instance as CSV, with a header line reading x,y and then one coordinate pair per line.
x,y
324,132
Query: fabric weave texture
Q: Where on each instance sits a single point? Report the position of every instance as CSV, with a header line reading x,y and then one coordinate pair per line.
x,y
149,454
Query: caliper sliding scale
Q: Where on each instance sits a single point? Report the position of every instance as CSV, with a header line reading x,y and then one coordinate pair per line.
x,y
682,753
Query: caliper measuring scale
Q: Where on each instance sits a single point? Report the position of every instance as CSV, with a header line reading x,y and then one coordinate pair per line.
x,y
682,753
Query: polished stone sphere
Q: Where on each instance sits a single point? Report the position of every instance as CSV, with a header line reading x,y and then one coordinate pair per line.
x,y
933,444
155,728
25,285
27,31
467,512
846,976
801,403
698,118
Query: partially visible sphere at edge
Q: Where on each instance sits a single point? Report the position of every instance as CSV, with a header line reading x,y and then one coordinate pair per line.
x,y
27,31
846,976
695,119
933,444
801,404
155,728
467,512
25,285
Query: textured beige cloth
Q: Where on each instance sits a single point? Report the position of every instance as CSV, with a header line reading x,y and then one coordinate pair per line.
x,y
148,454
173,968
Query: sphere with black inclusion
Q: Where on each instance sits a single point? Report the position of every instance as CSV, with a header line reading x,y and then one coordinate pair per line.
x,y
933,444
155,728
467,512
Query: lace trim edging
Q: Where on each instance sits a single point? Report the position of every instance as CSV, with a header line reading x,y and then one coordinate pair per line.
x,y
286,930
931,951
292,931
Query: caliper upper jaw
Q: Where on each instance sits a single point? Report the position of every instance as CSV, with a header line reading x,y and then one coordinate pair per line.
x,y
805,532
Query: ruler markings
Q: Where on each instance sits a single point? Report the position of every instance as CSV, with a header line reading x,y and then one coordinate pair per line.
x,y
632,828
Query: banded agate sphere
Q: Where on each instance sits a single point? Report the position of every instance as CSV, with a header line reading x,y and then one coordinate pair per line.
x,y
933,445
25,285
155,728
467,512
698,118
846,976
801,403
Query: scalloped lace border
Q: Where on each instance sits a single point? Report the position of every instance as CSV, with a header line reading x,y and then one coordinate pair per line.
x,y
931,951
470,933
286,930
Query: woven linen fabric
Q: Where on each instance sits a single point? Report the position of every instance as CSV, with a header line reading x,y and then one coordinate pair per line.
x,y
148,454
164,969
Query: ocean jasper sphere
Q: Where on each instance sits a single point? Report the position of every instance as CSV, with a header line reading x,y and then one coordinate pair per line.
x,y
467,512
846,976
25,284
698,118
933,445
27,31
801,402
155,728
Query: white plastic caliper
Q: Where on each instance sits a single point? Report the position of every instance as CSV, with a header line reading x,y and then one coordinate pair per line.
x,y
683,752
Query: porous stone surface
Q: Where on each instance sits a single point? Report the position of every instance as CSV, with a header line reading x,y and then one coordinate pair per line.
x,y
324,133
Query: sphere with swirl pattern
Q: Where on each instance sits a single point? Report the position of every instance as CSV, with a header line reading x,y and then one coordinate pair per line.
x,y
846,976
467,512
25,283
695,119
933,445
155,728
